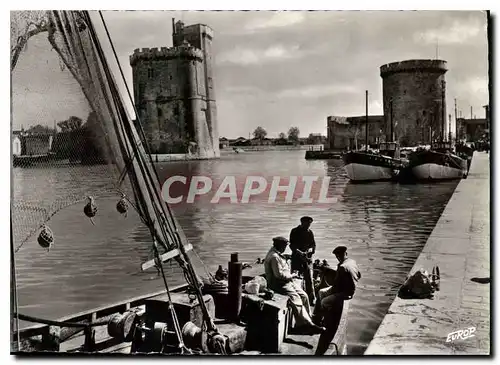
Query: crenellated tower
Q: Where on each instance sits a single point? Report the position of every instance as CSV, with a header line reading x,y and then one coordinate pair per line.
x,y
173,93
414,95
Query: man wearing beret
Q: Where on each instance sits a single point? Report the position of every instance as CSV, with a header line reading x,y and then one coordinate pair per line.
x,y
280,279
303,248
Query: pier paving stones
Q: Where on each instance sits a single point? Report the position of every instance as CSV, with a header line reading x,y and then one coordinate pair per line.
x,y
460,246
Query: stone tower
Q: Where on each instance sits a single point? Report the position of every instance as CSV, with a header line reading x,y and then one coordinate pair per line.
x,y
417,90
173,93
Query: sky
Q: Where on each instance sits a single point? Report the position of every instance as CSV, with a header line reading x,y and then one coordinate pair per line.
x,y
278,69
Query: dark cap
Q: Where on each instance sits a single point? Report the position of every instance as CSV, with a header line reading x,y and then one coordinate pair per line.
x,y
339,250
306,219
280,239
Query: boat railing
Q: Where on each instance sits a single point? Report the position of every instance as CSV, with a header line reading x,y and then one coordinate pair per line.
x,y
316,147
73,324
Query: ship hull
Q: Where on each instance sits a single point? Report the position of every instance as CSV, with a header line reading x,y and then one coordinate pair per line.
x,y
363,172
431,165
366,167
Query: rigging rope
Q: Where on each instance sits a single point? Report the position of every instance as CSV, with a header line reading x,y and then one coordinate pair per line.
x,y
178,330
183,258
144,170
14,288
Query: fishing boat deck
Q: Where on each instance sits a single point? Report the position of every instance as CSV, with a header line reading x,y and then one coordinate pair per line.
x,y
293,344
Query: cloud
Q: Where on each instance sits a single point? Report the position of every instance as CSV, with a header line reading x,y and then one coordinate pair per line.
x,y
275,20
248,56
475,85
458,33
318,91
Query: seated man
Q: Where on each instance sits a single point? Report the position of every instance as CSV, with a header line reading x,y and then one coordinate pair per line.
x,y
343,286
280,280
330,301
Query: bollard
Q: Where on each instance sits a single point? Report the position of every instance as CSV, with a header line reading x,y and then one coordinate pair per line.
x,y
234,287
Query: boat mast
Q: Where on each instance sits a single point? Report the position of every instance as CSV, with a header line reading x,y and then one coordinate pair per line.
x,y
449,128
392,133
443,112
366,133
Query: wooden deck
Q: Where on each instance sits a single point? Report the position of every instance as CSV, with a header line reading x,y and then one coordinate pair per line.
x,y
293,344
52,338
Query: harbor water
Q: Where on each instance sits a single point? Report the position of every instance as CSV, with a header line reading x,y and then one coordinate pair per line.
x,y
384,226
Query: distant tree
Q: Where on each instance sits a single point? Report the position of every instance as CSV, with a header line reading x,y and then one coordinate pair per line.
x,y
354,130
310,139
259,133
316,139
282,135
40,129
70,124
293,134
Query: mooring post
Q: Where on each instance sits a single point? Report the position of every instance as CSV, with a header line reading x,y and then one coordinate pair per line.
x,y
51,338
234,287
89,344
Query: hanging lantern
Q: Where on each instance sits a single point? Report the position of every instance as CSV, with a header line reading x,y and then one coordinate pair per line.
x,y
46,238
90,209
122,206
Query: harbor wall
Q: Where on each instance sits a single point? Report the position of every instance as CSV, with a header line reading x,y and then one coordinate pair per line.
x,y
460,246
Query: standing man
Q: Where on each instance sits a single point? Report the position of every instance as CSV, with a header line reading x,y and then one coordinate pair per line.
x,y
330,301
303,248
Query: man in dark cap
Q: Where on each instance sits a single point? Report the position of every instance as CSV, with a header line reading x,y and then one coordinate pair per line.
x,y
303,248
331,299
343,286
280,279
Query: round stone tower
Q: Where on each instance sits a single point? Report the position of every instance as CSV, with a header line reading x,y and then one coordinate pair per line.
x,y
414,94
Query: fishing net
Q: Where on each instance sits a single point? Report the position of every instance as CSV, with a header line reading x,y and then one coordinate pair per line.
x,y
86,203
65,148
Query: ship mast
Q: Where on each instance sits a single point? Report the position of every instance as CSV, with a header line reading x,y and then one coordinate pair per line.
x,y
443,110
392,122
366,127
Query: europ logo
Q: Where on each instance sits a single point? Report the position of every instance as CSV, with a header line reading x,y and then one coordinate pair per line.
x,y
461,335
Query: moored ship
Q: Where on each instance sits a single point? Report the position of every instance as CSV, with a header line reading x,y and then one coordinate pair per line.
x,y
437,163
365,166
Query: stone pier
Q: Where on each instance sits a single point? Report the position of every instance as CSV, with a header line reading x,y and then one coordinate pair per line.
x,y
460,246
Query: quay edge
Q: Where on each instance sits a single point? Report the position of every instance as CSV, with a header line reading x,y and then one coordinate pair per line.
x,y
460,246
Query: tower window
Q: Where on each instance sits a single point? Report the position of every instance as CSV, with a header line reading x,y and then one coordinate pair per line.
x,y
160,113
150,73
210,83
